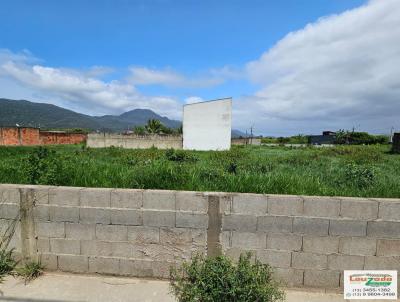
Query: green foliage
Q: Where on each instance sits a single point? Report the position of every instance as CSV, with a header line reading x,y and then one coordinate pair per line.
x,y
359,138
360,176
179,155
43,166
30,270
219,279
154,126
251,169
139,130
296,139
7,263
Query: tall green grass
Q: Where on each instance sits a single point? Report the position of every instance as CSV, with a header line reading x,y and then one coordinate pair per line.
x,y
369,171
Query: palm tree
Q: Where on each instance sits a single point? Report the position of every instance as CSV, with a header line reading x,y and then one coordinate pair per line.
x,y
154,126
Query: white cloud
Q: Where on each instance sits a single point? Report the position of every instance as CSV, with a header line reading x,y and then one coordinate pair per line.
x,y
193,99
81,90
171,78
340,70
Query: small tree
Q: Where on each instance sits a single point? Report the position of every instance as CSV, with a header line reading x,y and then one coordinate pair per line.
x,y
219,279
154,126
139,130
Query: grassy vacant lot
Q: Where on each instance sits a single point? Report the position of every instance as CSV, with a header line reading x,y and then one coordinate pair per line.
x,y
369,171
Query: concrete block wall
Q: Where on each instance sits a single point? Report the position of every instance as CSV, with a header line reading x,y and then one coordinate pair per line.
x,y
102,140
308,240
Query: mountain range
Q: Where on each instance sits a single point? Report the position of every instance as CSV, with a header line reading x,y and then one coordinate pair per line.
x,y
48,116
25,113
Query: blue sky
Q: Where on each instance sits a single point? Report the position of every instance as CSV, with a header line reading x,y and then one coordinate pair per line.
x,y
160,54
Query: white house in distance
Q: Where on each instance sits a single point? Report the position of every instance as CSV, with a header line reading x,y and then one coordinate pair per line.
x,y
207,125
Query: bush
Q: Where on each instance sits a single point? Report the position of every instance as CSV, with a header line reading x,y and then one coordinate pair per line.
x,y
179,155
219,279
359,175
43,167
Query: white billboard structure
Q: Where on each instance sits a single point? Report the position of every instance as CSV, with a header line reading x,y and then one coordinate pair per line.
x,y
207,125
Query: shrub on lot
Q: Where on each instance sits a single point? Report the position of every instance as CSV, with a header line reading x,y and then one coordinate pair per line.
x,y
43,166
359,175
219,279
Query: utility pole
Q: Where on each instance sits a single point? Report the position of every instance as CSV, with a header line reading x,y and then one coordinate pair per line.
x,y
391,135
251,134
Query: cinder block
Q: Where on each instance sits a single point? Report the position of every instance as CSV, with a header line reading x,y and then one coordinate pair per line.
x,y
41,195
161,269
175,236
126,217
125,267
346,227
321,245
159,218
250,204
289,277
136,268
95,197
309,260
389,210
357,208
384,229
274,258
357,246
64,196
287,242
49,261
324,279
41,213
122,249
285,205
275,224
65,246
239,223
388,247
191,202
124,198
64,214
96,248
199,237
321,206
80,231
225,239
103,265
112,232
249,240
43,245
235,252
159,200
225,203
310,226
73,263
141,234
9,194
9,211
345,262
95,215
191,220
50,229
382,263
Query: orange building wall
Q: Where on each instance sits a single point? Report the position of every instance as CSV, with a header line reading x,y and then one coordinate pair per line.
x,y
13,136
59,138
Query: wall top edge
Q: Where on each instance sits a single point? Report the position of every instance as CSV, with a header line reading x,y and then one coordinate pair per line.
x,y
204,193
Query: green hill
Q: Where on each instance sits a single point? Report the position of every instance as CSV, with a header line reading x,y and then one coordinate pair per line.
x,y
25,113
